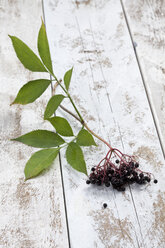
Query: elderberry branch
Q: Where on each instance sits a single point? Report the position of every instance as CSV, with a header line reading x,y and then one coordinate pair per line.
x,y
85,125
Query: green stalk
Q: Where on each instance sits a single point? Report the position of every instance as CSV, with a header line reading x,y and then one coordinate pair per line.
x,y
80,119
70,98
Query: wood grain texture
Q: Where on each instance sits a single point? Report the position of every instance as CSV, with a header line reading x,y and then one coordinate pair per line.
x,y
31,213
93,37
146,20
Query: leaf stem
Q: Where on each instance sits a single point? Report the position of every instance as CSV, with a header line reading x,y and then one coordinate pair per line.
x,y
69,112
98,137
85,125
81,119
67,93
67,143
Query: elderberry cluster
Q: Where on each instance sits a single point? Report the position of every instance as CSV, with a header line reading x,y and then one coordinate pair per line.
x,y
118,176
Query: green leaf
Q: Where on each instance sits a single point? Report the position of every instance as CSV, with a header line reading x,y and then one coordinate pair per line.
x,y
75,157
41,139
39,161
31,91
67,78
61,125
43,48
27,57
84,138
52,105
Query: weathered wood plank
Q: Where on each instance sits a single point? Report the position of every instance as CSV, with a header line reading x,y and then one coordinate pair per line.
x,y
146,20
146,24
107,87
32,213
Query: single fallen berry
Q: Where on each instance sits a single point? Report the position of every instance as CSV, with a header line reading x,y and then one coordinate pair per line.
x,y
105,205
88,182
155,181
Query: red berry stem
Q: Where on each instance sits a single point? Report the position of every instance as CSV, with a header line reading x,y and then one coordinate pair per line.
x,y
119,170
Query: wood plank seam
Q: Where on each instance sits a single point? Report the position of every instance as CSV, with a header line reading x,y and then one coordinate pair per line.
x,y
154,116
111,108
61,172
118,127
114,195
32,213
65,207
108,95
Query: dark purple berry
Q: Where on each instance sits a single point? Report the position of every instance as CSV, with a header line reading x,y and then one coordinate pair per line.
x,y
122,189
93,169
132,164
107,184
108,171
148,179
134,173
93,181
92,175
143,181
98,182
106,179
119,189
110,177
104,205
132,179
155,181
88,182
124,172
140,181
141,175
117,161
136,165
128,173
117,175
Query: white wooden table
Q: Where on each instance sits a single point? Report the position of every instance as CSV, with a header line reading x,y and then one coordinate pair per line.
x,y
117,49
